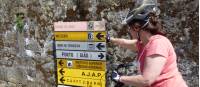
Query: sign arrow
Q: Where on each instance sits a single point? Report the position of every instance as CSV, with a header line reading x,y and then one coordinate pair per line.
x,y
100,45
62,79
61,63
99,36
101,56
62,72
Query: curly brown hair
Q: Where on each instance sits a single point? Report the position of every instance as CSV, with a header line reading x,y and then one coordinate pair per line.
x,y
154,26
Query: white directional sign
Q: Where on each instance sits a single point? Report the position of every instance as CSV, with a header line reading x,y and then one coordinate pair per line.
x,y
80,26
81,55
90,46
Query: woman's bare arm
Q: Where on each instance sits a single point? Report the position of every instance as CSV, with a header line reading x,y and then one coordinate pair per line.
x,y
153,66
129,44
152,69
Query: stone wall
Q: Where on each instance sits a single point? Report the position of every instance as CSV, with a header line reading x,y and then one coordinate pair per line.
x,y
36,68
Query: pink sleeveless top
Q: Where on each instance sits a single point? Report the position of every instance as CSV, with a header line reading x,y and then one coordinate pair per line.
x,y
170,76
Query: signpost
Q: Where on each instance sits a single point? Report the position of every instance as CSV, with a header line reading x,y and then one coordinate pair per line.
x,y
80,51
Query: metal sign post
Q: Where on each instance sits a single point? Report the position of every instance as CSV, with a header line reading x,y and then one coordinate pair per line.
x,y
80,51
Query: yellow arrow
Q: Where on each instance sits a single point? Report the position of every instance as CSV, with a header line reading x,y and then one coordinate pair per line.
x,y
80,36
61,63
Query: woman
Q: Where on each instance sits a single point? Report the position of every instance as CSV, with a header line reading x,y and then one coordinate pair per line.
x,y
156,56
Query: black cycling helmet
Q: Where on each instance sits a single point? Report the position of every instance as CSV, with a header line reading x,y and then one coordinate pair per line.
x,y
141,14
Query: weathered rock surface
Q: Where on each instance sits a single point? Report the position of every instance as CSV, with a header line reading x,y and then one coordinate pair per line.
x,y
36,68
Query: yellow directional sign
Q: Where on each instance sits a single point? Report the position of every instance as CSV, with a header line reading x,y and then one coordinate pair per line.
x,y
78,73
80,36
72,81
81,64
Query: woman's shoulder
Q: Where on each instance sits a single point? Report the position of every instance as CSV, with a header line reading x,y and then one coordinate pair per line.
x,y
159,38
158,45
